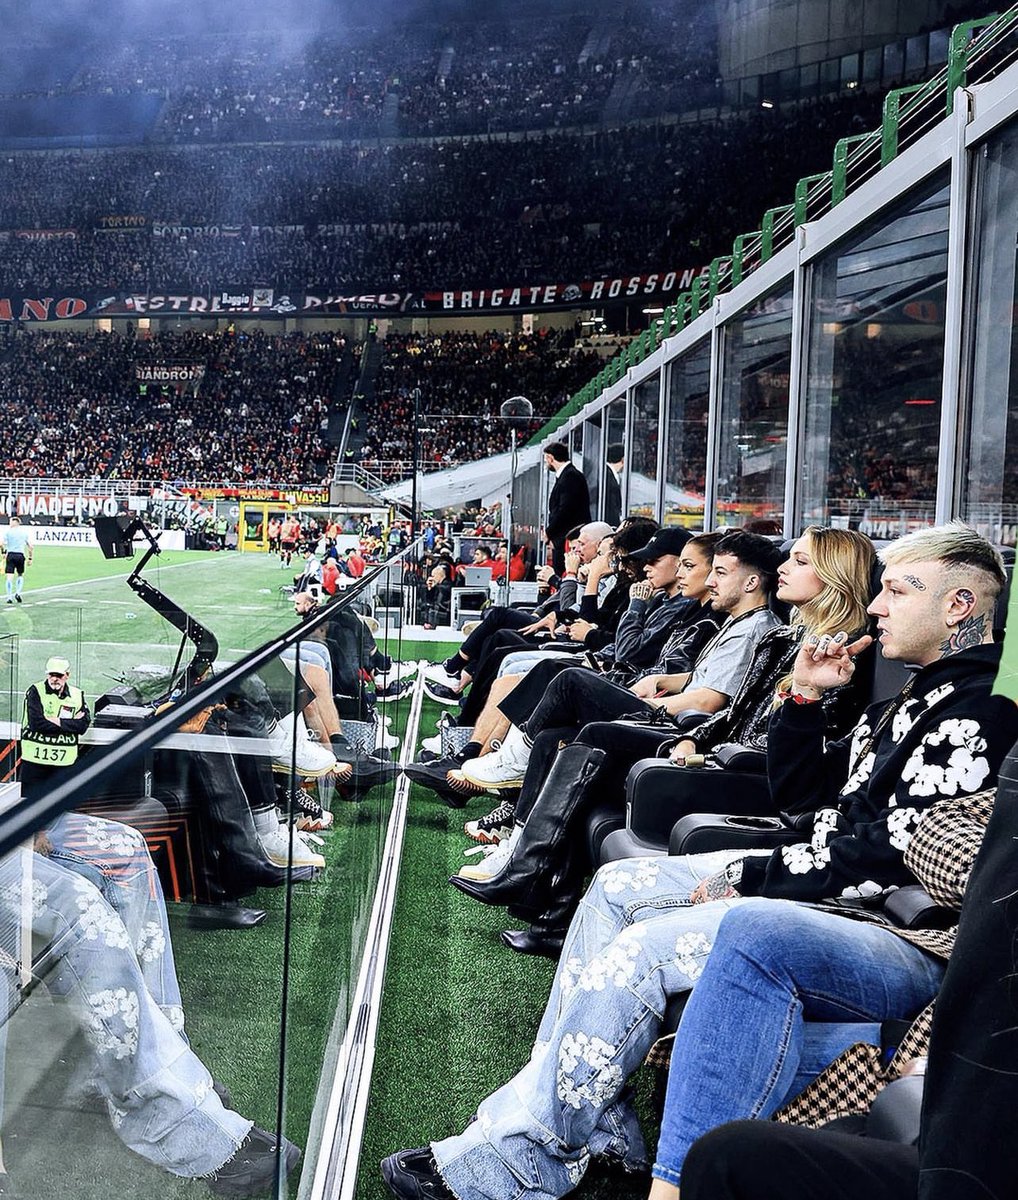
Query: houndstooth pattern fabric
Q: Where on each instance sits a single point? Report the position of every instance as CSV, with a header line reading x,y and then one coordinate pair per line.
x,y
945,843
852,1082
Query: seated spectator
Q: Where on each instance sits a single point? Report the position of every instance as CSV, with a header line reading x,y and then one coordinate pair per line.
x,y
742,581
693,626
963,1150
826,579
451,678
96,882
647,927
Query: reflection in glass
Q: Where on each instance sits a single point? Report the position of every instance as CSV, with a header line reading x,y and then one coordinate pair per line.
x,y
876,360
643,456
615,435
754,414
592,463
219,885
686,444
990,483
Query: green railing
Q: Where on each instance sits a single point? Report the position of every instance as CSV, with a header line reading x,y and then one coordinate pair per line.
x,y
978,50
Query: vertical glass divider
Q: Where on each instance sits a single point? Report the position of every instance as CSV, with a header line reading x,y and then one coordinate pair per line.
x,y
801,278
710,489
947,504
662,439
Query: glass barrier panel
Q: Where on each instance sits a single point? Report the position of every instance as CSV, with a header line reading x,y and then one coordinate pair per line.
x,y
990,470
686,437
592,460
875,372
615,430
754,414
180,946
646,431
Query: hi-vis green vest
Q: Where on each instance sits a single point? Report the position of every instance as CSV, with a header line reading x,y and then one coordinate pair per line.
x,y
51,749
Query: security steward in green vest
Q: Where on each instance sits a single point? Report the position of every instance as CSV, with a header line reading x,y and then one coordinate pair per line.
x,y
55,716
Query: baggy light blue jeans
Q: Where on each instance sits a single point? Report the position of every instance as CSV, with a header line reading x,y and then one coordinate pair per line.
x,y
634,943
100,934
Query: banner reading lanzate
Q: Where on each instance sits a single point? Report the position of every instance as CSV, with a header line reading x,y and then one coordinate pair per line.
x,y
658,287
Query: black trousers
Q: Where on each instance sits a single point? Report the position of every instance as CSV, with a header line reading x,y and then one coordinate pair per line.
x,y
494,621
550,698
763,1160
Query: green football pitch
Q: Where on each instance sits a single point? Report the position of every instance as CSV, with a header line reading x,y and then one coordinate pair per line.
x,y
78,604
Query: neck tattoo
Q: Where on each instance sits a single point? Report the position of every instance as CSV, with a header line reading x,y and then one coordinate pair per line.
x,y
968,633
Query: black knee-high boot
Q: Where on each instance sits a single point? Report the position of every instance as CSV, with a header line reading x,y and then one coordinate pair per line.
x,y
543,846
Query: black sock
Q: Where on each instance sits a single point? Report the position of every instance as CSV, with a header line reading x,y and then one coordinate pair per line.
x,y
470,750
454,665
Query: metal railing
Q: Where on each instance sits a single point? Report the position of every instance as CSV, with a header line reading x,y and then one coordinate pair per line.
x,y
979,50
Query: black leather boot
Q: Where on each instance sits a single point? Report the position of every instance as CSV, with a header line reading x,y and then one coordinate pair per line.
x,y
527,881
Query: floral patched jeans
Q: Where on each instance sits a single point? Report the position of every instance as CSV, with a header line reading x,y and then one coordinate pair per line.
x,y
100,938
634,943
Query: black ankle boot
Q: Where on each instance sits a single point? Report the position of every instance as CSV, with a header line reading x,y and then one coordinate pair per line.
x,y
543,938
526,882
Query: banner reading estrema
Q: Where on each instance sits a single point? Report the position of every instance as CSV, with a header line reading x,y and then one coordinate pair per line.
x,y
61,304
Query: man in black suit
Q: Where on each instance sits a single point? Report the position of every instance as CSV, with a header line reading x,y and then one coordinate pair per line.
x,y
568,504
616,459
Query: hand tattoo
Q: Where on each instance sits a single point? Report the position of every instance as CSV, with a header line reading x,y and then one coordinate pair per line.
x,y
717,887
968,633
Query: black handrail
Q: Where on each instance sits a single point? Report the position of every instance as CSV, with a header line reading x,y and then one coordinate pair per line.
x,y
26,817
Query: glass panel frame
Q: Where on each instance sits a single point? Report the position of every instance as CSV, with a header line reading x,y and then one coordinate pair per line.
x,y
685,464
874,349
756,352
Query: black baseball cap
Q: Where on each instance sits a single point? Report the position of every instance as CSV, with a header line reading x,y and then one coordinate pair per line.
x,y
666,541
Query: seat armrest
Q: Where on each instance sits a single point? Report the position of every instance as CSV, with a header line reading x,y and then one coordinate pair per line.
x,y
912,907
731,756
687,719
699,832
658,793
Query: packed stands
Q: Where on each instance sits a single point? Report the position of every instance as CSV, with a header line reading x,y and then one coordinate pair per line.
x,y
440,215
463,378
72,406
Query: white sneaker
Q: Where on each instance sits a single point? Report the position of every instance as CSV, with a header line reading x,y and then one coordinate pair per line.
x,y
504,768
311,758
495,860
277,849
437,673
398,670
384,740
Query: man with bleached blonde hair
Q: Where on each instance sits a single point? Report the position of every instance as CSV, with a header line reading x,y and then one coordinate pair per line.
x,y
649,929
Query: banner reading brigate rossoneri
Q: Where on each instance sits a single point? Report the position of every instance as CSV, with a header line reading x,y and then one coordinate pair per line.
x,y
62,304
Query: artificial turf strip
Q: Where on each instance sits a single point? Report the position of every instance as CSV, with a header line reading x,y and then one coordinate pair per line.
x,y
459,1010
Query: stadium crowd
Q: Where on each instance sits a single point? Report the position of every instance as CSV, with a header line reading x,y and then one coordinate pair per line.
x,y
464,377
410,79
73,407
419,215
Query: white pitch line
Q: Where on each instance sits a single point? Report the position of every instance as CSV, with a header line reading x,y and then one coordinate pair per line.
x,y
60,587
